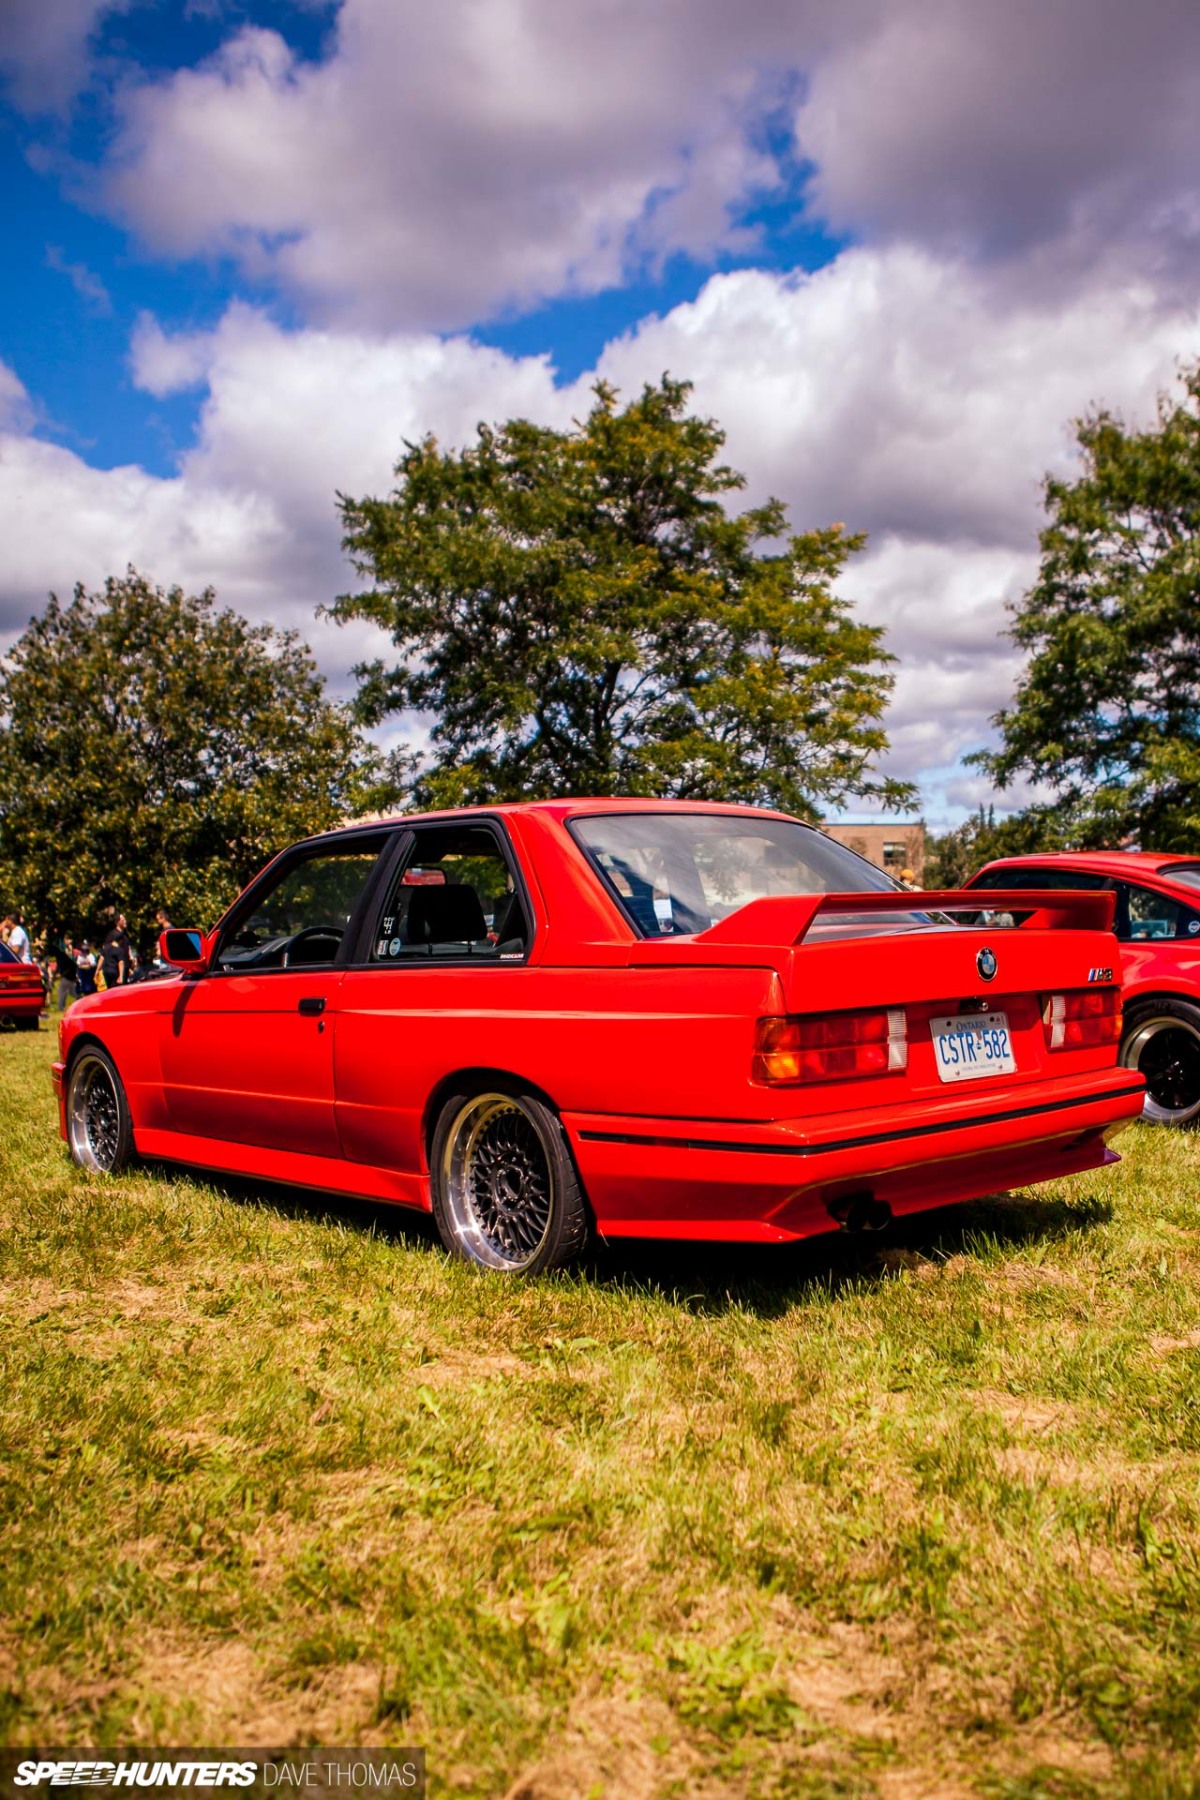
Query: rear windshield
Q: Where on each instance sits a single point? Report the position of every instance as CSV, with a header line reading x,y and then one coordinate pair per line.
x,y
1021,877
674,873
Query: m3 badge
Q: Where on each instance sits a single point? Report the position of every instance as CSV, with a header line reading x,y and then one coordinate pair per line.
x,y
1100,974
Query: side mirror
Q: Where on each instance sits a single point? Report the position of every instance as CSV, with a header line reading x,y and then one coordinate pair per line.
x,y
183,950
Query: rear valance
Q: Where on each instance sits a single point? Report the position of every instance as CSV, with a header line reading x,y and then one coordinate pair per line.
x,y
784,919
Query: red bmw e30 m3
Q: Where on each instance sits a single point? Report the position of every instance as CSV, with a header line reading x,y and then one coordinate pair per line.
x,y
648,1018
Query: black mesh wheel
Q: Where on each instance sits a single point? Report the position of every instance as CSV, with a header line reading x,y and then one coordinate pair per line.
x,y
99,1129
505,1192
1162,1041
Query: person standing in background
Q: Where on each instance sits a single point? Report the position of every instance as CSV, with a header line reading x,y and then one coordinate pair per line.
x,y
66,969
114,954
85,967
17,937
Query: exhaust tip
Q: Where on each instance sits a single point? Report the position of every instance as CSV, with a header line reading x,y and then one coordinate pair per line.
x,y
860,1212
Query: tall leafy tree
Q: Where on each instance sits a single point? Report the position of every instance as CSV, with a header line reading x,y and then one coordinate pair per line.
x,y
578,612
156,751
957,854
1107,713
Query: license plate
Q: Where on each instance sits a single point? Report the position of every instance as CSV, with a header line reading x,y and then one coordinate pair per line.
x,y
972,1045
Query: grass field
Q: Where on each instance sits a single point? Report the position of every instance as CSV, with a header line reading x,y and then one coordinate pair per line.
x,y
907,1517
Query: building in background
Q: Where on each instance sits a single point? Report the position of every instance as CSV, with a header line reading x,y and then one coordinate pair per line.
x,y
891,844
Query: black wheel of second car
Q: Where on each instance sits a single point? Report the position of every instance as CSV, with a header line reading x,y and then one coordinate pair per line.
x,y
99,1128
505,1192
1162,1041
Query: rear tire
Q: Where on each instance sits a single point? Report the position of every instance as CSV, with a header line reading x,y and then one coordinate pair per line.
x,y
99,1128
1162,1040
505,1192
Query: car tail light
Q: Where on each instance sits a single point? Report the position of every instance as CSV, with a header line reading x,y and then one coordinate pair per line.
x,y
1082,1019
836,1047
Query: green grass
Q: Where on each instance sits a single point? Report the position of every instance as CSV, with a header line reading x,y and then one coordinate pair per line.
x,y
901,1518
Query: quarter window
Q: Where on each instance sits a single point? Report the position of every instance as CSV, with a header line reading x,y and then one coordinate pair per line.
x,y
1145,915
454,898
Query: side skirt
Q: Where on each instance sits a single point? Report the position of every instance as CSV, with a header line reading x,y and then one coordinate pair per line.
x,y
328,1174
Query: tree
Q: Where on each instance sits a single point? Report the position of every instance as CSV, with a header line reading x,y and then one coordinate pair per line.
x,y
955,856
578,613
157,751
1107,713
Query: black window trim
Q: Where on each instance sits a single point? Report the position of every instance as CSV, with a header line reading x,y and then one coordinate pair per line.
x,y
280,867
396,861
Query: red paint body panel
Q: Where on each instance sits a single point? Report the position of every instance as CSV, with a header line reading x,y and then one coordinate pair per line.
x,y
644,1047
240,1063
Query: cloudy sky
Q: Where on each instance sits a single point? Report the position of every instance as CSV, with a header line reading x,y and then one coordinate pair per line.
x,y
898,245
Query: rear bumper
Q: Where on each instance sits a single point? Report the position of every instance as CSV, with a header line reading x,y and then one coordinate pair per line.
x,y
22,1006
772,1182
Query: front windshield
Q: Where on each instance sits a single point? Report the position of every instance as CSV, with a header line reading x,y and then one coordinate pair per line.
x,y
683,872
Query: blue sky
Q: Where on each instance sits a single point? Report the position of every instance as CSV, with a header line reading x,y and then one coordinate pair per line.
x,y
896,246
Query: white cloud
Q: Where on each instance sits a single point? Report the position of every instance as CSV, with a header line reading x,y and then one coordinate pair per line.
x,y
1001,129
44,49
288,418
87,284
442,162
445,161
894,390
16,409
169,362
906,392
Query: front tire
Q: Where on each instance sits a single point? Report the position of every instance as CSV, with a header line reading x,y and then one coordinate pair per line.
x,y
1162,1041
505,1192
99,1128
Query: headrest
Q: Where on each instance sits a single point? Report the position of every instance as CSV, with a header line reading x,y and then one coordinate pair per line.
x,y
445,915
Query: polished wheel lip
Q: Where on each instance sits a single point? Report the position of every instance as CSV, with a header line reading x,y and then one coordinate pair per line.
x,y
1134,1049
499,1200
93,1114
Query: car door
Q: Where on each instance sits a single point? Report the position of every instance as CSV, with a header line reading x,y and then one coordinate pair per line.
x,y
247,1048
442,984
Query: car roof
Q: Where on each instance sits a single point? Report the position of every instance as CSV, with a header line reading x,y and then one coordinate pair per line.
x,y
1099,862
555,809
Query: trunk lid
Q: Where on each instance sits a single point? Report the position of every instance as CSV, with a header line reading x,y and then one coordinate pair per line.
x,y
862,952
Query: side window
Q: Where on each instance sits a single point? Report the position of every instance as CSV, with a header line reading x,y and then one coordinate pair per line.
x,y
1142,914
455,897
300,920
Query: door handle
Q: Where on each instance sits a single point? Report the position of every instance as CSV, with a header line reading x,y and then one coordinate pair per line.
x,y
312,1004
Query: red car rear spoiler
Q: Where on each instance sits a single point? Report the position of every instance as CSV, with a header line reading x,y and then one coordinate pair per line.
x,y
787,918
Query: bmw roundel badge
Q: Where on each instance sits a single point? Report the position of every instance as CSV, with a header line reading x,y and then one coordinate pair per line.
x,y
986,963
